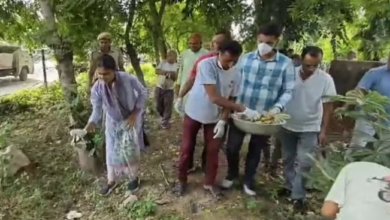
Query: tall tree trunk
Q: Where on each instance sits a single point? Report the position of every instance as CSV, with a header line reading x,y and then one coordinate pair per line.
x,y
156,47
130,48
333,43
64,55
156,24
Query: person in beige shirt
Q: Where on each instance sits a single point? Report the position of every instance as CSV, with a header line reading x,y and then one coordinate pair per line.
x,y
105,47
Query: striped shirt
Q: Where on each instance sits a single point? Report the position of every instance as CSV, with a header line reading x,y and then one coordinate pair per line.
x,y
266,83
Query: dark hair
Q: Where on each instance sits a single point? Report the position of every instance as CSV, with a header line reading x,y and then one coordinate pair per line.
x,y
224,32
107,62
233,47
290,50
283,51
313,51
295,56
271,29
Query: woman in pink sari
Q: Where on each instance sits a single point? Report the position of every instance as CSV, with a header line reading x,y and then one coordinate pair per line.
x,y
123,99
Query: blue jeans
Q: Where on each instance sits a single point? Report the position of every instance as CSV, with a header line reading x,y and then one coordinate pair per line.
x,y
295,147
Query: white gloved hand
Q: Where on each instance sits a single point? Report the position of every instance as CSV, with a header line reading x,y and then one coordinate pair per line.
x,y
219,129
179,106
274,111
250,114
78,132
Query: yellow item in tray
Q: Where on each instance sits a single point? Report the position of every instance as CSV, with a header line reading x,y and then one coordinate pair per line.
x,y
273,119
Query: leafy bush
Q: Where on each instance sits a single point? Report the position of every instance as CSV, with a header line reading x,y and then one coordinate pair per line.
x,y
371,106
26,99
52,96
39,98
148,70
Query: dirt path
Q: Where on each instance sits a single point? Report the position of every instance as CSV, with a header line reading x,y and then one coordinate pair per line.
x,y
58,185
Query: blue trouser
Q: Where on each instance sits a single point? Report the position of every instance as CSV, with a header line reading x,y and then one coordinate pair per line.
x,y
294,178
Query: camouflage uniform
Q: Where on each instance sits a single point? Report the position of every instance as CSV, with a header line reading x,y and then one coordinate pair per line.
x,y
94,55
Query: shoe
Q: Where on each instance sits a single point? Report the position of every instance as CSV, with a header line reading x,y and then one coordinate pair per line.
x,y
133,186
249,190
107,188
299,206
284,192
228,182
179,189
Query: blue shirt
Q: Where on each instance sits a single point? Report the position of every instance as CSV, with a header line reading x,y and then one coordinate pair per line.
x,y
377,79
198,105
266,83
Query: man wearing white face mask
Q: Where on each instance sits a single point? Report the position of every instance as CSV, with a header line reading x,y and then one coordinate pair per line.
x,y
268,78
208,105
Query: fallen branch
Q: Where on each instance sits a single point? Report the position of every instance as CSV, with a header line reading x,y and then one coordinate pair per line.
x,y
163,173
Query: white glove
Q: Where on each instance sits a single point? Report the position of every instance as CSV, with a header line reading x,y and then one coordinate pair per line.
x,y
78,132
179,106
219,129
250,114
274,111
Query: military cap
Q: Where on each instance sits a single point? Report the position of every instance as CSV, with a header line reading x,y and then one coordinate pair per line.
x,y
104,36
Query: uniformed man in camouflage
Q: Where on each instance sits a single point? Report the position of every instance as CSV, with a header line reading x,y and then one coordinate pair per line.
x,y
104,48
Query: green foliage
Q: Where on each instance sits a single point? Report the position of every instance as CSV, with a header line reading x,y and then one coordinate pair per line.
x,y
149,73
142,209
31,99
40,98
178,28
51,98
18,20
371,105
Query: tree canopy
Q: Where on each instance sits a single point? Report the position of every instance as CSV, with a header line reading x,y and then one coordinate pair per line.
x,y
150,27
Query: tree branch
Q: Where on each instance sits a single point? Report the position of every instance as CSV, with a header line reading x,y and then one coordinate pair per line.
x,y
130,19
162,9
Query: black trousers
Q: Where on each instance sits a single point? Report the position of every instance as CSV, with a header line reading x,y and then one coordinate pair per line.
x,y
256,144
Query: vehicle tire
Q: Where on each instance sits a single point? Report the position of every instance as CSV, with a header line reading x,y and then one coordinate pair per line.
x,y
23,74
384,195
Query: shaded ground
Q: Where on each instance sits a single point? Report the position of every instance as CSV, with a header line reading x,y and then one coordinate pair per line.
x,y
58,186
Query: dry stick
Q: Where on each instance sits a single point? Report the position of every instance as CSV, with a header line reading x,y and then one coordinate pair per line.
x,y
163,173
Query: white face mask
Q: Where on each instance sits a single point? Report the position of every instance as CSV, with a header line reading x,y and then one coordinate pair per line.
x,y
264,48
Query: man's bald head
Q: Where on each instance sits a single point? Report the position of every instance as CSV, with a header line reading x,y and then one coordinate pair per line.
x,y
195,42
219,38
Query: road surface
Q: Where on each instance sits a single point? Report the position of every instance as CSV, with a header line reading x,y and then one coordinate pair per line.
x,y
9,85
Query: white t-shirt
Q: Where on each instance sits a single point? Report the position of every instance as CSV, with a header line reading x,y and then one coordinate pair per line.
x,y
198,105
162,81
362,192
305,106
